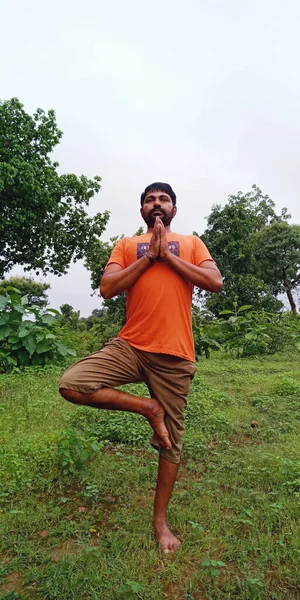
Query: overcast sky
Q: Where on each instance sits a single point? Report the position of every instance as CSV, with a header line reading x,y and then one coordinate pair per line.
x,y
203,94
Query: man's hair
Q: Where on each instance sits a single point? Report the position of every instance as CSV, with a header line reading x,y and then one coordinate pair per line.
x,y
159,187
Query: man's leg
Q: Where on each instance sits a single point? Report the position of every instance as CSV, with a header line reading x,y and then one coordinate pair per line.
x,y
112,399
168,379
167,473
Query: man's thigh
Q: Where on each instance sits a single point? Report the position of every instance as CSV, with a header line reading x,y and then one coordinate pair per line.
x,y
115,364
169,379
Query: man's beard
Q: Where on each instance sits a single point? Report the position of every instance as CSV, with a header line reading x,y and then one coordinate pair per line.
x,y
150,218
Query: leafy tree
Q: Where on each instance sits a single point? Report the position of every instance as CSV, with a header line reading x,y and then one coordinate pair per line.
x,y
44,224
70,318
34,290
277,254
230,238
94,318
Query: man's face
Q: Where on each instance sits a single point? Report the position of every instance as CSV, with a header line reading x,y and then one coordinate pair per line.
x,y
158,204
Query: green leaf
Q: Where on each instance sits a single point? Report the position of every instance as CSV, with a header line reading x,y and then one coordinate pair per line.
x,y
64,350
4,300
4,318
30,343
250,336
215,572
43,346
24,332
48,319
5,331
13,339
213,563
196,526
72,352
15,299
245,307
226,312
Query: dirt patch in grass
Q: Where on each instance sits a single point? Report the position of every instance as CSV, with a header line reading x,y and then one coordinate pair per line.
x,y
69,547
13,582
243,440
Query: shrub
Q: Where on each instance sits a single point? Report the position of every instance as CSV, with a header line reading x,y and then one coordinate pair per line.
x,y
26,333
247,332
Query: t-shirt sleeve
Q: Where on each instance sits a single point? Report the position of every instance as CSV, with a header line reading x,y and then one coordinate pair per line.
x,y
201,252
118,254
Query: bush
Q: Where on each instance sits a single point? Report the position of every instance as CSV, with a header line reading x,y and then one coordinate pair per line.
x,y
26,333
247,332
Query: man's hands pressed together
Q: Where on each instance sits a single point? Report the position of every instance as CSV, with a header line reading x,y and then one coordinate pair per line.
x,y
158,247
155,242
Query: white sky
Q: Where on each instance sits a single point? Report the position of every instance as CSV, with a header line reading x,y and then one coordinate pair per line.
x,y
202,94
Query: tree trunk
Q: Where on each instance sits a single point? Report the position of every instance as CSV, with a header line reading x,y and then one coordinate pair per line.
x,y
291,301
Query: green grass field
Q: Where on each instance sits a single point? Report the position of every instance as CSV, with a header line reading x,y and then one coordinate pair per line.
x,y
77,487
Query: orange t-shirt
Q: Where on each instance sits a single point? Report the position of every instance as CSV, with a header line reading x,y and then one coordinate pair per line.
x,y
159,316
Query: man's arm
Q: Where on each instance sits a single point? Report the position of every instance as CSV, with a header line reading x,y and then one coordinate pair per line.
x,y
117,280
206,276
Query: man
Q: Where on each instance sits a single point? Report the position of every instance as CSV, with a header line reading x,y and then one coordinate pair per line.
x,y
158,270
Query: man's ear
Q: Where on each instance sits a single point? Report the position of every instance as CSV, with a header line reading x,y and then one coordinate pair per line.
x,y
174,211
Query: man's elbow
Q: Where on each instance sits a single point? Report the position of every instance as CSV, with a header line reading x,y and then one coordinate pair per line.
x,y
105,292
217,284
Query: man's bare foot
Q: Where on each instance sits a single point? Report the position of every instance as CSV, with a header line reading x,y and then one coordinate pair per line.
x,y
156,416
167,541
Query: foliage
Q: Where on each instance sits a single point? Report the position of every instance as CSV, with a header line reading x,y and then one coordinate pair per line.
x,y
74,450
94,318
34,290
44,224
277,252
230,237
246,332
245,289
97,258
70,318
84,342
26,333
203,330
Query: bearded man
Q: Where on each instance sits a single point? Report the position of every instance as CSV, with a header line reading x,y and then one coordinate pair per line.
x,y
158,270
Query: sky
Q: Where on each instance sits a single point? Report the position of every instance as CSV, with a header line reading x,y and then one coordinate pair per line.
x,y
202,94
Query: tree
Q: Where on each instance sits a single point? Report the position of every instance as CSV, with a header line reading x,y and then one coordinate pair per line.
x,y
43,224
230,238
277,254
70,318
34,290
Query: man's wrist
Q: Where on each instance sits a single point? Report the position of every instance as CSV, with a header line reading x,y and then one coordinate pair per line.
x,y
150,257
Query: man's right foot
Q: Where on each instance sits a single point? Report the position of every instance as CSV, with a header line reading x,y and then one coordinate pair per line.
x,y
156,418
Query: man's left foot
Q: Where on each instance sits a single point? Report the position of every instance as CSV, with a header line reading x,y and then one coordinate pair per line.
x,y
167,541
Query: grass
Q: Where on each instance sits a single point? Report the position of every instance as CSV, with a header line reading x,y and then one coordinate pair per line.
x,y
77,486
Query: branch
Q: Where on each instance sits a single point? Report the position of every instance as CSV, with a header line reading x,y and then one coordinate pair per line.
x,y
295,281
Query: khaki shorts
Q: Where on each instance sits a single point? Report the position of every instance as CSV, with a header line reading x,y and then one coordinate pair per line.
x,y
167,377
